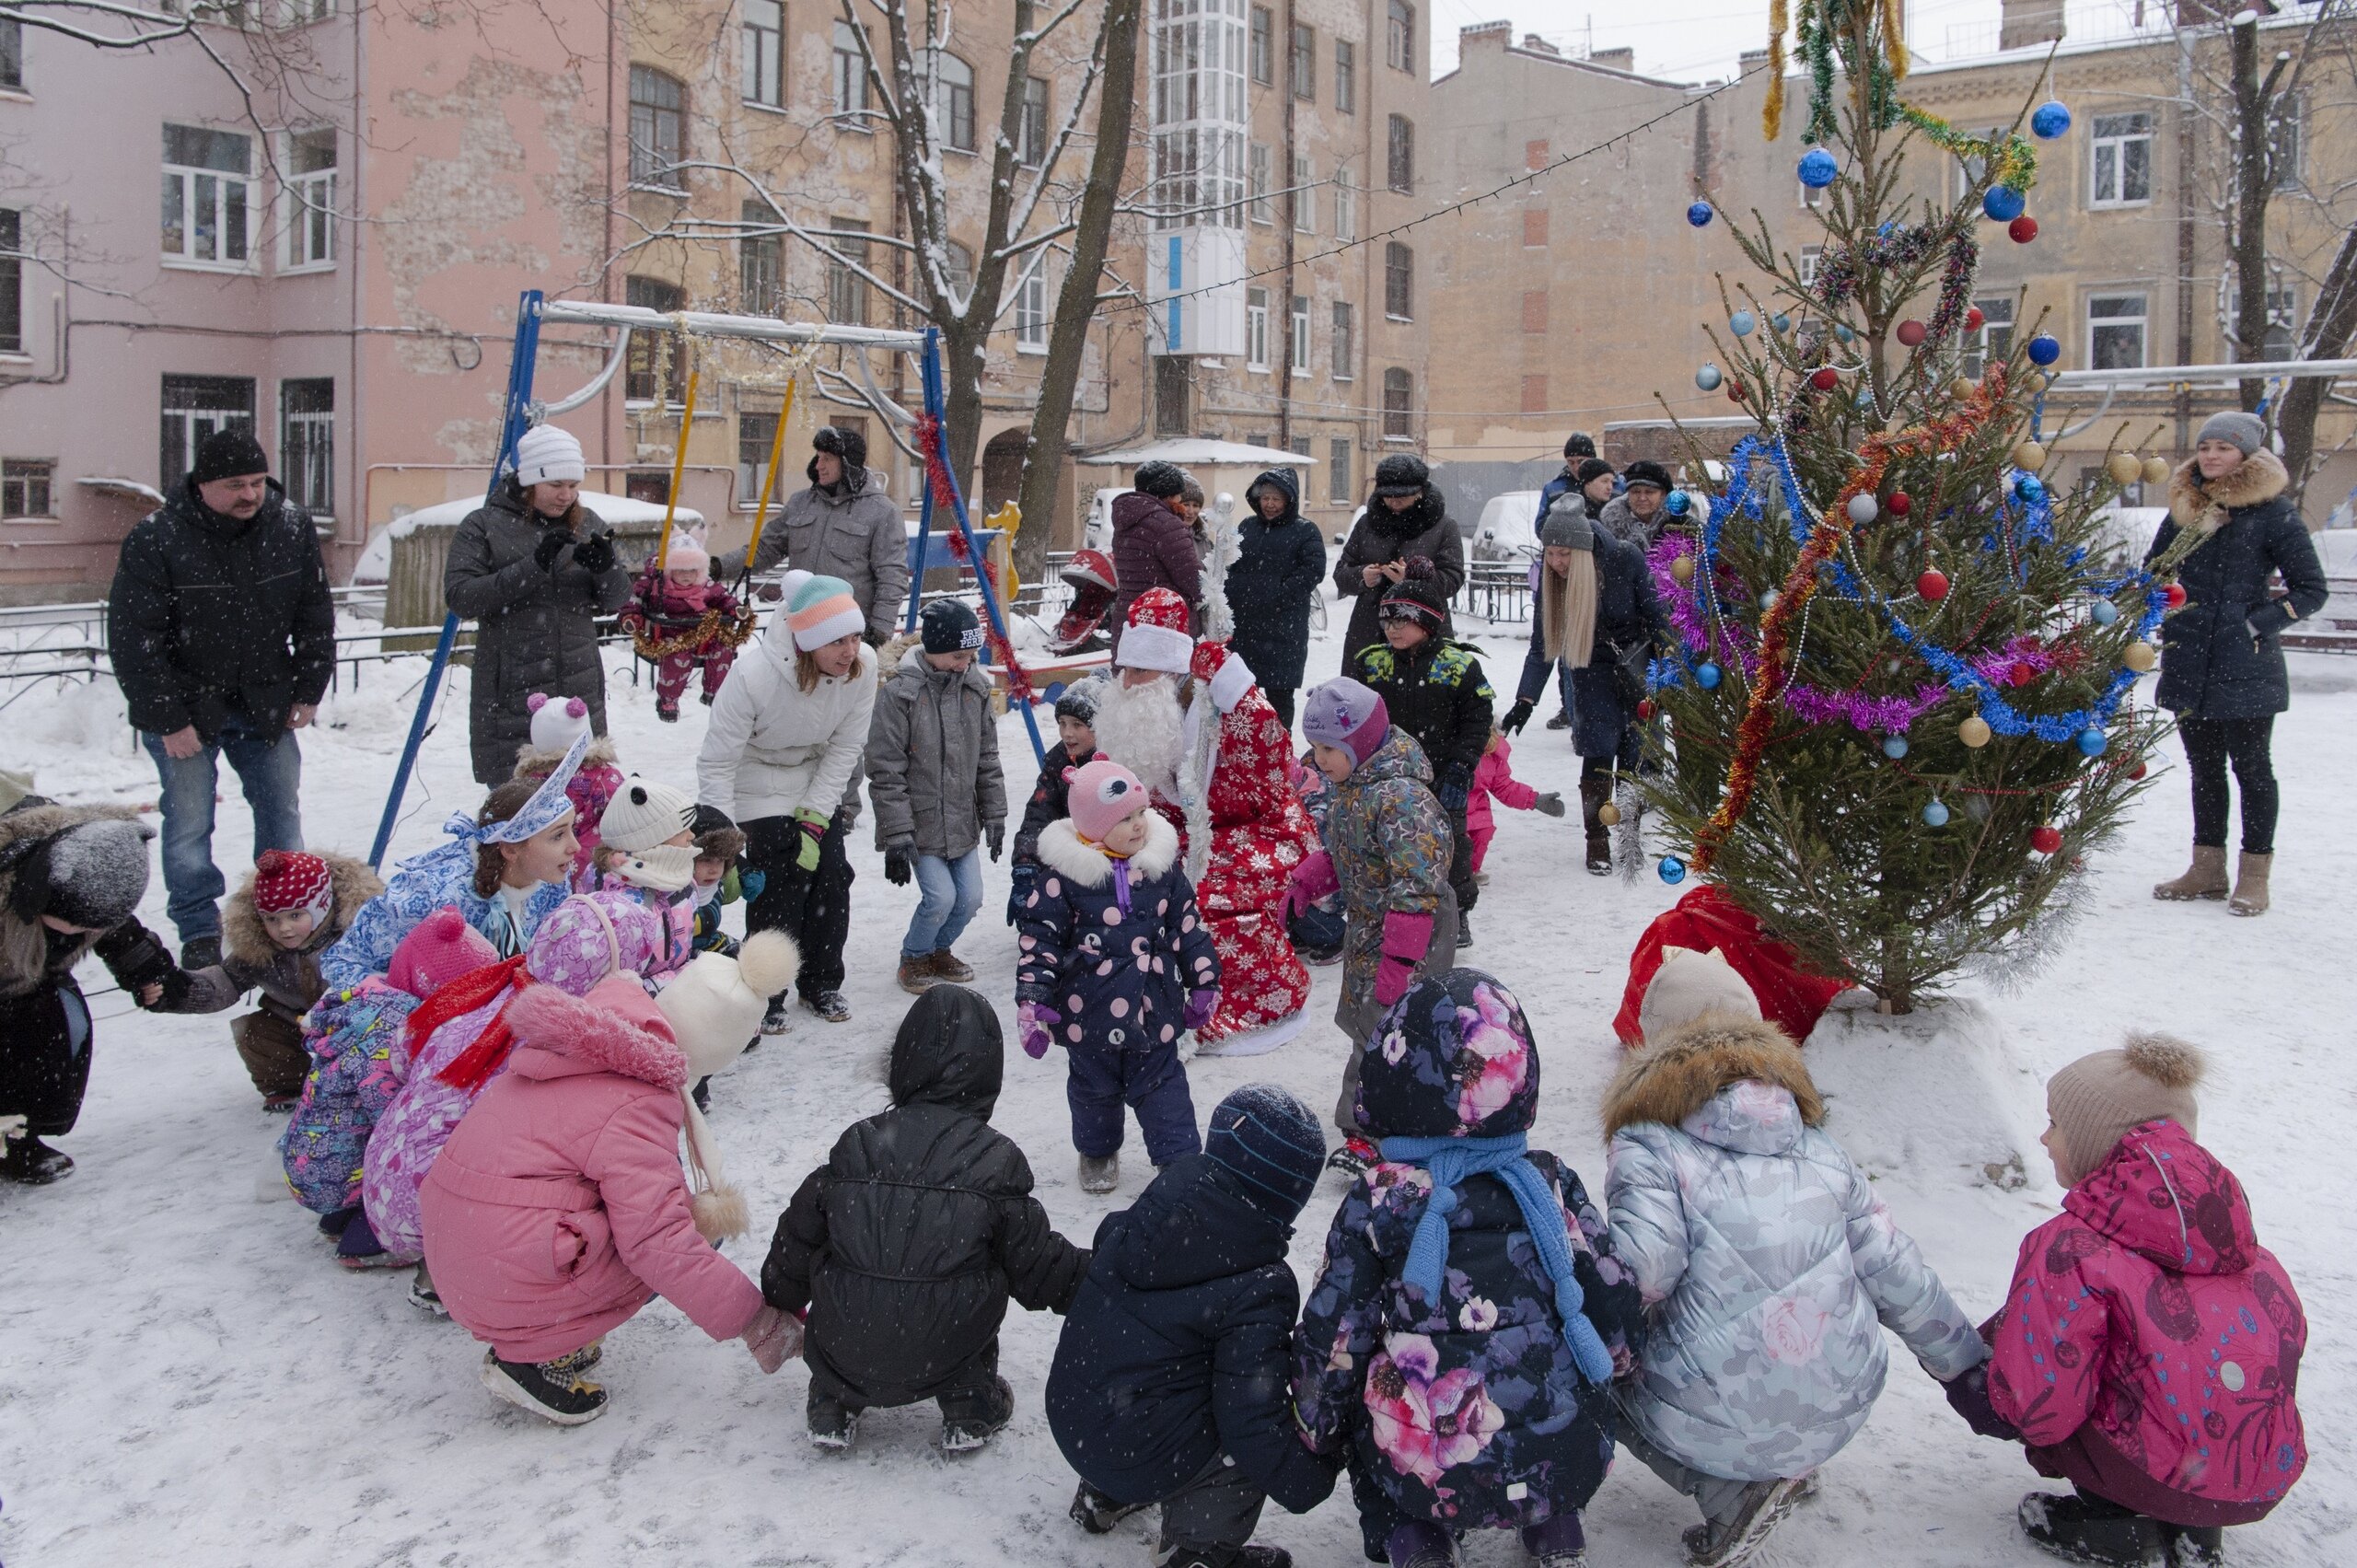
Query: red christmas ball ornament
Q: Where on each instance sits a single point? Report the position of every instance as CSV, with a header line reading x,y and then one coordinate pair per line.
x,y
1910,332
1900,504
1735,392
1825,379
1973,319
1933,585
2021,675
2024,229
2138,770
2175,597
1644,708
2046,838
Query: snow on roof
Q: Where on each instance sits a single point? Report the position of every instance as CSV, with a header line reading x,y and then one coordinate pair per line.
x,y
1210,453
376,563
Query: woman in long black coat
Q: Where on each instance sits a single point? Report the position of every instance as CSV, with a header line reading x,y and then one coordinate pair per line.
x,y
1280,563
1404,518
2221,660
534,569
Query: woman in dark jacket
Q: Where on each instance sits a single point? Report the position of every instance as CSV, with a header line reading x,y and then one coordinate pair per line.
x,y
907,1243
2222,661
1405,517
534,569
1598,616
1153,546
1280,562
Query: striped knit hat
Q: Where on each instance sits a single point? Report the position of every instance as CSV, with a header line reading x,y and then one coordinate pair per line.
x,y
820,610
1270,1139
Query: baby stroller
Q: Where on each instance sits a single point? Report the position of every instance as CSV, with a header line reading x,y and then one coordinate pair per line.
x,y
1089,574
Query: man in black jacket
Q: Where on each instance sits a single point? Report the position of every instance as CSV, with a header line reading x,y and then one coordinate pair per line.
x,y
223,634
905,1246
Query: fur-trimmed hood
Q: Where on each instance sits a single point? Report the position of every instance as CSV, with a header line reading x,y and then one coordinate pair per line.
x,y
539,762
1061,851
243,938
1679,1074
2260,478
591,1038
25,953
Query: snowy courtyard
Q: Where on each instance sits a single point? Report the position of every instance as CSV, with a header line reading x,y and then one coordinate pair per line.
x,y
186,1375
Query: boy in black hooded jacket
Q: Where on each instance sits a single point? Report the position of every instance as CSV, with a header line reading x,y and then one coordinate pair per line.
x,y
905,1246
1170,1380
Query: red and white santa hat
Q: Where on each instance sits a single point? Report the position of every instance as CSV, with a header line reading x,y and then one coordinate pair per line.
x,y
290,879
1155,637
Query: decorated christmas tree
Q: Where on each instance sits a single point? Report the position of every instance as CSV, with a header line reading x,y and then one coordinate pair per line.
x,y
1899,704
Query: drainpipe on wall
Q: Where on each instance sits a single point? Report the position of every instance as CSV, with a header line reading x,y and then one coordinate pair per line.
x,y
2184,233
1292,221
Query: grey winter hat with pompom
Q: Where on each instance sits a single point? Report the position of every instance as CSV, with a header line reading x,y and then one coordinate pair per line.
x,y
98,873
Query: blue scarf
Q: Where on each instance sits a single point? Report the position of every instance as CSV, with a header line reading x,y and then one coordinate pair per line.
x,y
1450,1161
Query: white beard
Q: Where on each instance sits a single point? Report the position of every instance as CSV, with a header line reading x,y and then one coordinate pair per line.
x,y
1144,728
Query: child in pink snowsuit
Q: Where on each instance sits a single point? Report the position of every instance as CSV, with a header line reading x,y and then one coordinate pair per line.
x,y
671,603
1495,777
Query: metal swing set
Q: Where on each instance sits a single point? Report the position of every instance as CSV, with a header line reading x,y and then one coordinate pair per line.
x,y
535,310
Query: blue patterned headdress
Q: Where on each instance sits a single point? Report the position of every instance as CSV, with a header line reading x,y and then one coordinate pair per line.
x,y
539,813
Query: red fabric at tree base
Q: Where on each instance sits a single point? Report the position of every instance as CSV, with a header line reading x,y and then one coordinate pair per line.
x,y
1707,920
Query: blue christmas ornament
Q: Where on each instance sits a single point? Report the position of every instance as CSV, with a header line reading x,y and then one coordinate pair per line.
x,y
2104,612
2044,350
1673,870
2003,204
2049,120
1677,503
1700,212
1707,377
2092,741
1741,323
1818,168
1894,747
1707,676
1936,814
1780,322
1841,332
2029,487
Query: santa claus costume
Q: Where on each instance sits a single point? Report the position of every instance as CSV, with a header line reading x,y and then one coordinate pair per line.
x,y
1190,721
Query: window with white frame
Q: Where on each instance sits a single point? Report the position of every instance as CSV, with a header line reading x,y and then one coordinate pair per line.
x,y
659,114
2116,332
1201,123
1346,77
309,240
846,281
1342,347
1995,340
12,54
1264,26
1305,195
1338,470
301,13
1346,204
851,76
760,53
1810,254
1398,281
1400,37
1031,151
1031,307
195,407
1255,329
1812,196
28,488
756,434
1300,319
760,262
2282,316
1301,63
953,97
307,442
2285,141
657,362
1256,183
1402,163
1398,405
2121,172
208,197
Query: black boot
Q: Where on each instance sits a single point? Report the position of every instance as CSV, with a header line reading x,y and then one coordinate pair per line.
x,y
2088,1529
1096,1514
553,1390
2204,1548
33,1163
969,1420
832,1423
1595,790
1228,1557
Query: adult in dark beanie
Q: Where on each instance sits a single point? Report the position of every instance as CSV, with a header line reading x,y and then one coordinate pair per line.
x,y
223,632
1635,517
1405,518
843,526
1279,565
2221,660
1170,1380
70,877
1153,547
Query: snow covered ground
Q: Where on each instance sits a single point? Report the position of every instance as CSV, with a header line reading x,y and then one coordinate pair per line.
x,y
186,1376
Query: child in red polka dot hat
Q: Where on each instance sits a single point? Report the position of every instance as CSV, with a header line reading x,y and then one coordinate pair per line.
x,y
1114,962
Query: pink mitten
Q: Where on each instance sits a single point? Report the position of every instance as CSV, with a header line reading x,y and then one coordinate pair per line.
x,y
1312,880
1391,978
1406,939
1201,1005
775,1337
1032,1021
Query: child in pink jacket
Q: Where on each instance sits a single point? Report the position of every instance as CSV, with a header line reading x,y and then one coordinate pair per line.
x,y
1495,777
2149,1348
559,1207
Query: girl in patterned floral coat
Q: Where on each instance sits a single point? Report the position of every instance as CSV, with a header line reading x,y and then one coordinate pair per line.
x,y
1460,1344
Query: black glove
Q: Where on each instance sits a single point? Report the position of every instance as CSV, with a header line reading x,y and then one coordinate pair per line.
x,y
552,545
899,863
1455,784
1968,1395
1516,716
176,986
595,553
1021,880
1551,804
996,836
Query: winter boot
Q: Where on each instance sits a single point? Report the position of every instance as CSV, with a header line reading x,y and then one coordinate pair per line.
x,y
2205,879
706,699
579,1361
356,1246
948,966
1764,1506
2086,1529
2196,1548
668,715
832,1423
1353,1159
1464,930
702,1094
1096,1514
2250,885
1560,720
917,975
282,1105
1099,1176
423,1297
1225,1557
831,1005
777,1020
33,1163
969,1420
1595,790
1416,1544
332,1224
548,1390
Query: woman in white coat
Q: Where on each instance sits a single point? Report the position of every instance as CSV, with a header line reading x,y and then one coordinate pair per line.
x,y
786,731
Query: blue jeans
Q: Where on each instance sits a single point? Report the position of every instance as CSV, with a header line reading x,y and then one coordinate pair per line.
x,y
953,891
272,774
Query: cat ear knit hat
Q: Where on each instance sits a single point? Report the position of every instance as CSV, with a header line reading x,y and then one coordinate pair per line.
x,y
644,814
2094,1101
1689,984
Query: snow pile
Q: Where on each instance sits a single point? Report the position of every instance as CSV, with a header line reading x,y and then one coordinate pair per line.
x,y
1937,1095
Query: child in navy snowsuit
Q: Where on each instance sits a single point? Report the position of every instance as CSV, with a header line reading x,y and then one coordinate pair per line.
x,y
1114,962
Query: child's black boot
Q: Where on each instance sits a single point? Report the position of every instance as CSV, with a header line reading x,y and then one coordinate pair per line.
x,y
2080,1529
555,1391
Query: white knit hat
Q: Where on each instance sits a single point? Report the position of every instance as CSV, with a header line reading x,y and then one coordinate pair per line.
x,y
715,1007
666,869
644,814
1688,985
556,721
545,453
